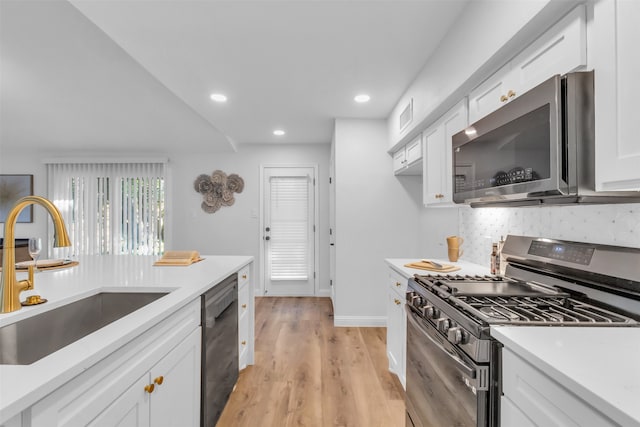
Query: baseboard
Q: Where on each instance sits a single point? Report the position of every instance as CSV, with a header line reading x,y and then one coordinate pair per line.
x,y
360,321
324,293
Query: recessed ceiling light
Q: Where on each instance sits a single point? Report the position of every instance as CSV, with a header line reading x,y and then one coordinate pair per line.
x,y
218,97
278,132
362,98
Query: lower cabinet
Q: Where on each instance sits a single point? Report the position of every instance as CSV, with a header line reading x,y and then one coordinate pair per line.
x,y
246,312
153,380
531,398
396,325
167,395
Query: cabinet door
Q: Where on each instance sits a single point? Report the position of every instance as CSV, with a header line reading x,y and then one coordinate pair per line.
x,y
560,50
434,164
617,90
413,151
490,95
175,400
438,181
396,325
399,160
131,409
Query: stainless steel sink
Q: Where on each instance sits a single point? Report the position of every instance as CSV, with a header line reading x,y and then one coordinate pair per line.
x,y
31,339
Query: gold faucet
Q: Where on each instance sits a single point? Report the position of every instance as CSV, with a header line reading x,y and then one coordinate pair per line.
x,y
10,286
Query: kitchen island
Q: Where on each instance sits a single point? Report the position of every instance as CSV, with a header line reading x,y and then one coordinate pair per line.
x,y
23,386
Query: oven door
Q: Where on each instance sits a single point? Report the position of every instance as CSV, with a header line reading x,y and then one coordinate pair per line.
x,y
444,386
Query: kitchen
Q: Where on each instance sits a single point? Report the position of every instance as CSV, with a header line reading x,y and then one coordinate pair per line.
x,y
472,54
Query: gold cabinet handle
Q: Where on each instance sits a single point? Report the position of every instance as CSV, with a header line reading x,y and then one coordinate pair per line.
x,y
149,388
398,284
397,301
243,342
511,94
244,305
503,98
159,380
244,276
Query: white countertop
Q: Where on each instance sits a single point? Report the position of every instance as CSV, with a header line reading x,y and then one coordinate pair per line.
x,y
600,365
21,386
465,267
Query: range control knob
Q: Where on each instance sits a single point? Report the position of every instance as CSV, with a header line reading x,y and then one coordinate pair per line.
x,y
455,335
417,301
410,295
444,324
428,311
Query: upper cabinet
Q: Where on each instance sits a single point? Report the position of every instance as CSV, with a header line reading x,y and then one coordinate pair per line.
x,y
614,55
438,163
558,51
408,159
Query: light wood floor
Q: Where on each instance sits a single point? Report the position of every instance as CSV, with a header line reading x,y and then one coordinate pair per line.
x,y
308,373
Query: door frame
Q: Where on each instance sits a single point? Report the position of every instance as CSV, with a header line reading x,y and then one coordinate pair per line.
x,y
316,215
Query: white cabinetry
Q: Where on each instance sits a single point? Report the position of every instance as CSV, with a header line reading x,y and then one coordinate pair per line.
x,y
152,380
560,50
245,316
438,163
396,325
408,159
615,59
532,398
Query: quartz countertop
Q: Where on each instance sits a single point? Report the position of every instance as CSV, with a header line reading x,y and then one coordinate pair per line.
x,y
398,264
23,385
598,364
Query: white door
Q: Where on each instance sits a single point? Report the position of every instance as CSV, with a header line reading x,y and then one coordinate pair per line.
x,y
289,230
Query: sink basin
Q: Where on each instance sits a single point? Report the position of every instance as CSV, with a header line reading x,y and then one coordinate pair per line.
x,y
31,339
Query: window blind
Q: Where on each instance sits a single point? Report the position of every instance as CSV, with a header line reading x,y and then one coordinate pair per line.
x,y
289,224
110,208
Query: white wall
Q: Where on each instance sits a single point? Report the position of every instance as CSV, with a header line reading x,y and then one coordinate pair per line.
x,y
230,231
376,218
236,230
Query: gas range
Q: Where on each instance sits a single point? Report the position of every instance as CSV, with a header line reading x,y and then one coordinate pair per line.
x,y
497,300
454,364
547,283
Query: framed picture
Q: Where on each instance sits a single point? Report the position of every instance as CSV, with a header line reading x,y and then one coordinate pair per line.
x,y
12,188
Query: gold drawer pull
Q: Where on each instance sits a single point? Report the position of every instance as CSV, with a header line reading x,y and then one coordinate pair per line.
x,y
511,94
398,284
243,342
159,380
397,301
244,305
149,388
503,98
244,276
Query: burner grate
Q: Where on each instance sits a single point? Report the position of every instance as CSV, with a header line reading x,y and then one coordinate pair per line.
x,y
538,311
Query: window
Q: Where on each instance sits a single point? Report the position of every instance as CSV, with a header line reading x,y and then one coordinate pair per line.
x,y
110,208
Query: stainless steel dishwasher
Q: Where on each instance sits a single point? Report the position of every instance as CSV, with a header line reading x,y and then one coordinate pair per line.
x,y
219,348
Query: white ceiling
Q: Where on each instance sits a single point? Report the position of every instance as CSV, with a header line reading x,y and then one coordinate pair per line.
x,y
136,75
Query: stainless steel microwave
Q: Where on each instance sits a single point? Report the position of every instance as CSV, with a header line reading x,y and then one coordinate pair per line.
x,y
537,149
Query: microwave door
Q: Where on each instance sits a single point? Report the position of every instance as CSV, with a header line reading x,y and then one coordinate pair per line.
x,y
514,153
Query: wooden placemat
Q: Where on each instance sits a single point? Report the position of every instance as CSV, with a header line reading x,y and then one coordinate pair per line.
x,y
52,267
446,268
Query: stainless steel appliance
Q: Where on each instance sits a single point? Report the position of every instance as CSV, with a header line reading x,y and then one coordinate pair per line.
x,y
538,148
453,363
219,348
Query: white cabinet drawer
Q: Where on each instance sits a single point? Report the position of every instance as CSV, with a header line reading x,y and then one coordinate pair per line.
x,y
544,401
398,283
244,275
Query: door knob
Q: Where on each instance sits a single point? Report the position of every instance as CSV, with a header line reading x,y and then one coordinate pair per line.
x,y
267,229
267,238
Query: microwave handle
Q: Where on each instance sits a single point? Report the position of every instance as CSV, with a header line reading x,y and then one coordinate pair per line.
x,y
461,365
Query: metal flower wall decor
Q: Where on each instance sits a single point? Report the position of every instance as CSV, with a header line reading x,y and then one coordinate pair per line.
x,y
217,189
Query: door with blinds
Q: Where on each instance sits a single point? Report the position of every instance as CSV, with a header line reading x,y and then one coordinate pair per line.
x,y
289,230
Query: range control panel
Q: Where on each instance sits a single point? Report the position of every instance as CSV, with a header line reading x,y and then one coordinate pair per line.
x,y
577,254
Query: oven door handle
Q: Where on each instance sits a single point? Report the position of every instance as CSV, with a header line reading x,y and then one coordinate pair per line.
x,y
461,365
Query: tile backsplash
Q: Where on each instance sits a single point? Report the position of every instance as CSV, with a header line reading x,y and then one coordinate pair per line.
x,y
607,224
